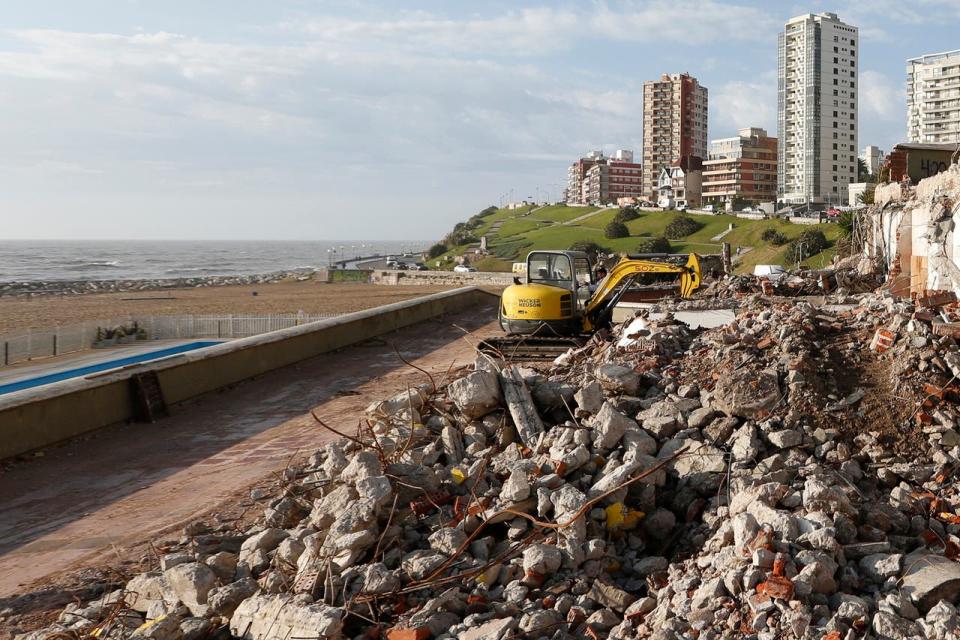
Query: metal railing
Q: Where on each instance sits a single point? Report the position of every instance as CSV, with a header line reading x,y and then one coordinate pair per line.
x,y
43,343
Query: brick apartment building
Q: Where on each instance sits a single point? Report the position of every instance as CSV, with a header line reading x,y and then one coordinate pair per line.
x,y
743,167
577,176
674,124
596,179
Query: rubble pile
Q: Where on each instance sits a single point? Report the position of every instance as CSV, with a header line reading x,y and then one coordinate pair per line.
x,y
789,475
843,278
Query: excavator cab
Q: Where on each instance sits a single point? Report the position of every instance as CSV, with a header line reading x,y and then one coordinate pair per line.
x,y
552,300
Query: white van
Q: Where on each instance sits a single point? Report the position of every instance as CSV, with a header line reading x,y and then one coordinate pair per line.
x,y
772,272
709,208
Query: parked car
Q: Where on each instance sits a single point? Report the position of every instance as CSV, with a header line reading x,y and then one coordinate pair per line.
x,y
709,208
422,267
393,264
833,213
463,268
403,266
682,207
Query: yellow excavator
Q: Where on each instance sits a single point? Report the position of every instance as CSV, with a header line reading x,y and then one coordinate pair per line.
x,y
563,301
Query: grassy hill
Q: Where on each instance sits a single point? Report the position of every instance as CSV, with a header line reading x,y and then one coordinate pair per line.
x,y
511,234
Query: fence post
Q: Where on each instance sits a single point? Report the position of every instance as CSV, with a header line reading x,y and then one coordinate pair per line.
x,y
55,341
6,353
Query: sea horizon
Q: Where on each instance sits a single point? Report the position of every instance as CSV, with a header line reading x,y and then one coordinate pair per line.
x,y
24,260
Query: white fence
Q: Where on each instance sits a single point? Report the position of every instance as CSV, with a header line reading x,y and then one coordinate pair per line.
x,y
42,343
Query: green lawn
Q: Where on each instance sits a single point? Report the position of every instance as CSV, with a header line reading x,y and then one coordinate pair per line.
x,y
522,231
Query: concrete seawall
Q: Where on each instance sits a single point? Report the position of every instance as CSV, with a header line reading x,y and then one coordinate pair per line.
x,y
476,278
36,418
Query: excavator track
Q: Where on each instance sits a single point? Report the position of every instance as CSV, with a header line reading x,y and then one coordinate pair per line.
x,y
517,348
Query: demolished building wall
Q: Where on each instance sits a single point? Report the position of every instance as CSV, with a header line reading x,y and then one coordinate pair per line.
x,y
912,232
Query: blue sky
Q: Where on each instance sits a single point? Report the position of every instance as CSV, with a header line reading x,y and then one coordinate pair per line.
x,y
373,120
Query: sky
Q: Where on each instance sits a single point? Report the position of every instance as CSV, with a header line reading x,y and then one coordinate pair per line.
x,y
349,120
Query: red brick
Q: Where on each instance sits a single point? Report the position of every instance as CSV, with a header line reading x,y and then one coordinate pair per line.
x,y
420,633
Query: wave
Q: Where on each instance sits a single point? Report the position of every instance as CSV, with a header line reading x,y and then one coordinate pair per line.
x,y
93,264
200,270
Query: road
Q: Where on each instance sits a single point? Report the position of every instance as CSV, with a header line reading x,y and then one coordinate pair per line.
x,y
99,499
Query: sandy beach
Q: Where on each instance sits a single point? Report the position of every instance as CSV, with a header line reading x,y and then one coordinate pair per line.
x,y
18,314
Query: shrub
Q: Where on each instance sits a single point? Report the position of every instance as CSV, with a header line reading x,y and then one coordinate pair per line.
x,y
459,237
615,229
845,224
592,249
626,214
654,245
806,244
436,250
774,237
681,226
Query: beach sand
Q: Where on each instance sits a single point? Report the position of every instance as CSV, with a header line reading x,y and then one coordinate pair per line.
x,y
18,314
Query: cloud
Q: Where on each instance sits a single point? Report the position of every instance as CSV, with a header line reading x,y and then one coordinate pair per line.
x,y
738,104
543,30
686,21
422,111
880,97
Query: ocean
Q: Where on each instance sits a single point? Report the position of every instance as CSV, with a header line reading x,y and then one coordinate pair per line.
x,y
52,260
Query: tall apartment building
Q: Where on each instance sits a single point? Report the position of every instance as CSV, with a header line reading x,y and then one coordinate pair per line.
x,y
674,124
742,167
817,109
933,98
872,156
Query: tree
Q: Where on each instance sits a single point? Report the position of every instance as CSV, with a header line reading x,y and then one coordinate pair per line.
x,y
654,245
807,244
592,249
774,237
884,176
626,214
615,229
845,224
460,236
681,226
436,250
863,173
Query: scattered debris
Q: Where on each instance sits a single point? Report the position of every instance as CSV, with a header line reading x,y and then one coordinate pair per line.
x,y
789,475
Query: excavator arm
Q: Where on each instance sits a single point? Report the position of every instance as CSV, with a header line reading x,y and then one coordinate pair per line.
x,y
628,269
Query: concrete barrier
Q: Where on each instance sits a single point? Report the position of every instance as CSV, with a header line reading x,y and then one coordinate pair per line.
x,y
807,220
42,416
442,278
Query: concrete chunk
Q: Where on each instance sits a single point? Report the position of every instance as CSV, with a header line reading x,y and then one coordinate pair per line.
x,y
266,617
929,579
476,394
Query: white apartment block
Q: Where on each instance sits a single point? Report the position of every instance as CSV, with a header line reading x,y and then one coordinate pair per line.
x,y
817,109
872,156
933,98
